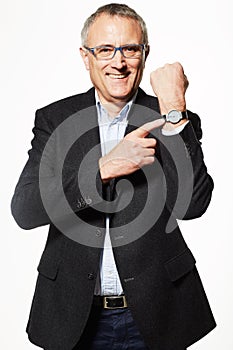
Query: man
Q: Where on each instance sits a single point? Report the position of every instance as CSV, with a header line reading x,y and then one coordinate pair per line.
x,y
127,176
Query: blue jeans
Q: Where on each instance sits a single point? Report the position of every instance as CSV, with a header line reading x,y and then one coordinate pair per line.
x,y
111,330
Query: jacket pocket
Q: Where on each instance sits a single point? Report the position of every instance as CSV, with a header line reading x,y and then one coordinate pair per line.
x,y
180,265
48,266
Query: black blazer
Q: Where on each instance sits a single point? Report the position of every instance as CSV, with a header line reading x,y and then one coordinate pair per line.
x,y
156,267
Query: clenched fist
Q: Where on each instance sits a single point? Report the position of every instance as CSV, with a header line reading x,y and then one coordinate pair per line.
x,y
169,84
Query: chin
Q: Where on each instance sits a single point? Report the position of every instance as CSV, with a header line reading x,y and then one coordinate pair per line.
x,y
122,95
120,98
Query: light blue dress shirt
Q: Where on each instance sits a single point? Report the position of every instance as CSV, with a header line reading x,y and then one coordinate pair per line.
x,y
112,131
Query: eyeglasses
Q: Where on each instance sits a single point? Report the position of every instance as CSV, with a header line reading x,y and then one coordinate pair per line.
x,y
107,52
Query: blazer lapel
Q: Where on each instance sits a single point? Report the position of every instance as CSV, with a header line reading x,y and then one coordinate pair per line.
x,y
88,117
143,110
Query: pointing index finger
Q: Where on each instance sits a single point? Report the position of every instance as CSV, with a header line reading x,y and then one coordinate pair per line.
x,y
145,129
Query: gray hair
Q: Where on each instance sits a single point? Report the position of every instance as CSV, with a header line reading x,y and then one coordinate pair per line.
x,y
114,9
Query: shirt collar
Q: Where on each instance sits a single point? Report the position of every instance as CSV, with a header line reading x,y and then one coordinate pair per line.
x,y
103,114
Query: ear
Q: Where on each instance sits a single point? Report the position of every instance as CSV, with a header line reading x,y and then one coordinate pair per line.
x,y
147,52
85,57
145,55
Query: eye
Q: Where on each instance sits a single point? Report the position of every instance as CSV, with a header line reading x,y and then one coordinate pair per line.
x,y
132,48
104,49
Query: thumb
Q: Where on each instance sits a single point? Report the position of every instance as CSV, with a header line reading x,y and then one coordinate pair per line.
x,y
145,129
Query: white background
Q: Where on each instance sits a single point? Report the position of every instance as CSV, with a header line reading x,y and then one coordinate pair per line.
x,y
40,63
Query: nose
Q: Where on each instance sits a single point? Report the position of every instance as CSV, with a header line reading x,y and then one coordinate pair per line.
x,y
118,60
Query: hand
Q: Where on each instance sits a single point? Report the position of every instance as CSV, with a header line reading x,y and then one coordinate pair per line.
x,y
131,153
169,84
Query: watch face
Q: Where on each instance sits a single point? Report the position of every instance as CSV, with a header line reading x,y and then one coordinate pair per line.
x,y
174,116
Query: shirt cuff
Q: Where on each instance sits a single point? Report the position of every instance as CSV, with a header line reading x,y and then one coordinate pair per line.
x,y
174,131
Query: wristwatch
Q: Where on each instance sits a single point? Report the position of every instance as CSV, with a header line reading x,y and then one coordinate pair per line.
x,y
175,117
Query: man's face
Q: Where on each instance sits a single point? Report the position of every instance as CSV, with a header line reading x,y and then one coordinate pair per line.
x,y
115,80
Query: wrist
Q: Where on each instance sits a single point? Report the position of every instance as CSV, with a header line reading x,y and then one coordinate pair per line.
x,y
165,107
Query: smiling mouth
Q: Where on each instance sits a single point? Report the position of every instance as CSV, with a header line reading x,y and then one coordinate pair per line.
x,y
117,76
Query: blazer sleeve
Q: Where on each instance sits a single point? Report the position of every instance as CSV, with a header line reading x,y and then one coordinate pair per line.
x,y
45,190
188,185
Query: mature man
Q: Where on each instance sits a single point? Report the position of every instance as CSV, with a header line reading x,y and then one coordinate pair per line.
x,y
114,168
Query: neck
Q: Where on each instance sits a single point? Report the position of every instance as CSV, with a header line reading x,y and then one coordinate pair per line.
x,y
113,109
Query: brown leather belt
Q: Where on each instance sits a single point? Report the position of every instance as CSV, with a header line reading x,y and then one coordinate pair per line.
x,y
110,302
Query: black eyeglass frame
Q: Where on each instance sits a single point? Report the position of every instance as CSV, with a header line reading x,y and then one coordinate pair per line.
x,y
119,48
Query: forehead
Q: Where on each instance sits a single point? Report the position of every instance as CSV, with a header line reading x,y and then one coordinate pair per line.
x,y
114,30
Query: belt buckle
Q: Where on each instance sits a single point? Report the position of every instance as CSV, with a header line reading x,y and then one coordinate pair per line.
x,y
115,297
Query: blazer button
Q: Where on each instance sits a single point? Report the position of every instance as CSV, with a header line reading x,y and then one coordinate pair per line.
x,y
90,276
88,200
98,233
81,203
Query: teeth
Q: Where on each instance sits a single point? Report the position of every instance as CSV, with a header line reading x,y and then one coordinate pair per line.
x,y
117,76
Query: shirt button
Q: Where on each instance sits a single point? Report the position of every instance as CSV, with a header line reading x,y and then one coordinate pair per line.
x,y
90,276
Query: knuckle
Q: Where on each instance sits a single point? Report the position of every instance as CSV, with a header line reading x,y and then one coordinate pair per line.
x,y
151,160
154,142
179,66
